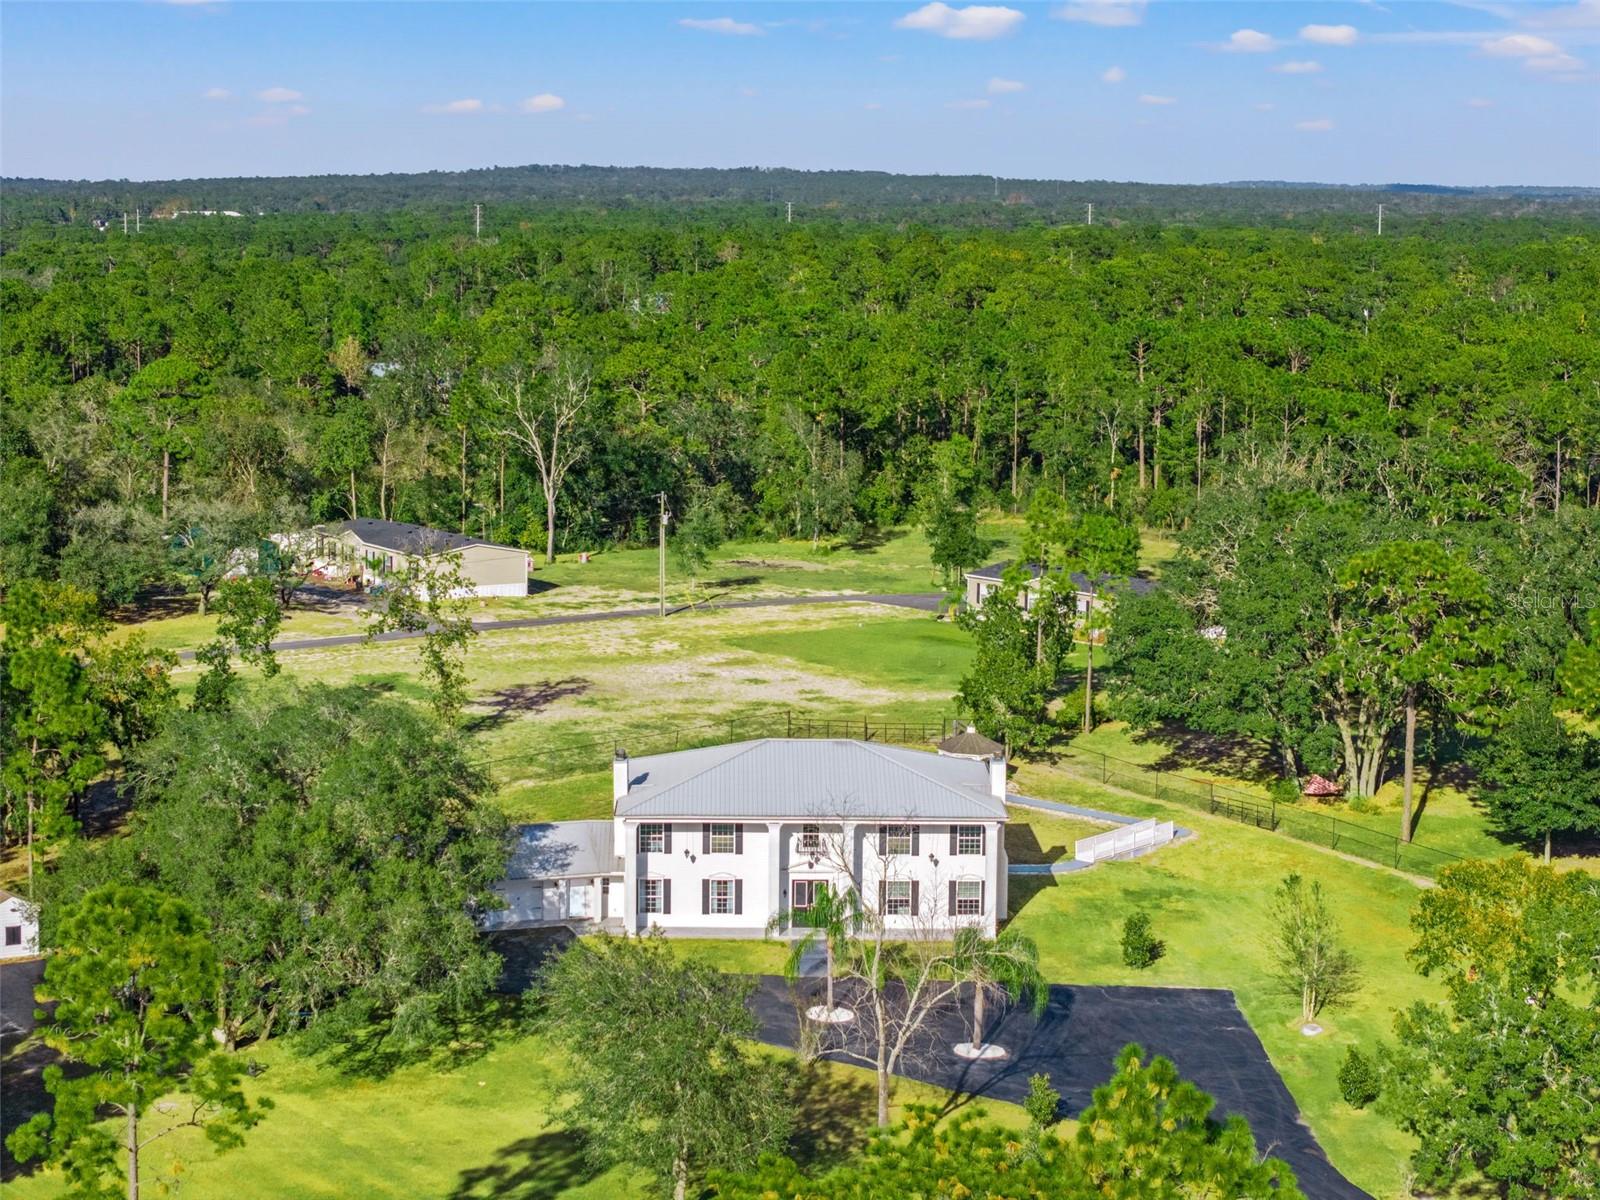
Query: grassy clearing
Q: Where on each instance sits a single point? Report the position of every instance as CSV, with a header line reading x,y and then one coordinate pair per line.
x,y
192,630
1209,900
486,1126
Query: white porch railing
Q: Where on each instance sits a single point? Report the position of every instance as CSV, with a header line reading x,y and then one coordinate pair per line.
x,y
1146,835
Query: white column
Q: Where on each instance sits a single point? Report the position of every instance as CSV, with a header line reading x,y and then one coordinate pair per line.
x,y
847,844
774,869
629,849
999,880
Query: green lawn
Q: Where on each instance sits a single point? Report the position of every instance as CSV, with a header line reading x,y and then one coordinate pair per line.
x,y
190,630
914,653
1041,837
1209,900
479,1126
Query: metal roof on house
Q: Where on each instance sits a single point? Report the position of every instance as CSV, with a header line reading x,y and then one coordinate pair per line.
x,y
408,539
558,849
800,778
1137,584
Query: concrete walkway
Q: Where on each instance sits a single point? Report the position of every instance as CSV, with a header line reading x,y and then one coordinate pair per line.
x,y
921,601
1076,1040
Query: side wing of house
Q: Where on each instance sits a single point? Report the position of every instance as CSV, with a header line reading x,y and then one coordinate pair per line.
x,y
19,928
495,570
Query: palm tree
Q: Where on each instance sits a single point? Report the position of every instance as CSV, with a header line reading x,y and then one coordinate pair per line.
x,y
999,966
834,918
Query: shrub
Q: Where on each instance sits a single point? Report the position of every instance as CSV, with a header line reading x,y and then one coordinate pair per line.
x,y
1140,947
1042,1103
1358,1079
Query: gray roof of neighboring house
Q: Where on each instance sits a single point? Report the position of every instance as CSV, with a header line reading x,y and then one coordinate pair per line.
x,y
1137,584
408,539
796,778
557,849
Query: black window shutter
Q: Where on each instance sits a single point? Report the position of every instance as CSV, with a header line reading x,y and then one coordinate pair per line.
x,y
952,891
705,837
666,896
738,897
738,839
916,841
983,840
916,905
883,896
666,839
983,896
705,896
883,839
953,850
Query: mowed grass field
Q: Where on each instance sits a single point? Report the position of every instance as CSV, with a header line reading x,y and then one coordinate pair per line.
x,y
1209,900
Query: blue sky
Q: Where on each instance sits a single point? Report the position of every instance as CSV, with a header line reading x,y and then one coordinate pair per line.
x,y
1460,93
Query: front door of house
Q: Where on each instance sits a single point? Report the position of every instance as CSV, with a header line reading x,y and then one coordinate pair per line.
x,y
803,894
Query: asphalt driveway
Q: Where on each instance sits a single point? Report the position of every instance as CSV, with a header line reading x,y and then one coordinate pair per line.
x,y
1076,1040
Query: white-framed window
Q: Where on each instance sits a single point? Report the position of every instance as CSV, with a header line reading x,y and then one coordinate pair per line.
x,y
650,896
810,838
897,897
897,840
803,893
723,841
969,898
969,839
652,840
722,894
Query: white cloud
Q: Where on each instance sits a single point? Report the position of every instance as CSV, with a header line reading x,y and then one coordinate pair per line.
x,y
542,103
1320,125
1113,75
1478,102
968,104
217,94
1110,13
1250,41
723,25
455,107
1264,106
279,95
1520,45
1537,53
298,110
1147,98
1330,35
975,23
1303,66
998,86
1585,14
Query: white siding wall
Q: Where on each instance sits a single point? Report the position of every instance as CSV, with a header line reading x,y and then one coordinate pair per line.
x,y
772,857
18,921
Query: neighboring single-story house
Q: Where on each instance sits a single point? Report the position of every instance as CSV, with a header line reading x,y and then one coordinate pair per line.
x,y
373,548
19,927
729,841
984,580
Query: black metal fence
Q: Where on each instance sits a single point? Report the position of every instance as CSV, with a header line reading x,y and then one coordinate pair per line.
x,y
1303,824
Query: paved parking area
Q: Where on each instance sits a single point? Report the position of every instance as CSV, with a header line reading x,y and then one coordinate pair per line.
x,y
1079,1035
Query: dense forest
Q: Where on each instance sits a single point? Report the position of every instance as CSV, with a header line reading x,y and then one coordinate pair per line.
x,y
1283,399
983,200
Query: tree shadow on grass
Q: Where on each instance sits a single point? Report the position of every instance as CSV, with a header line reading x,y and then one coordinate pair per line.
x,y
1022,845
533,1168
521,699
1021,890
1239,757
370,1051
833,1113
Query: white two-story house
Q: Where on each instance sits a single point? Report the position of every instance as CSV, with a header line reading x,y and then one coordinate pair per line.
x,y
734,840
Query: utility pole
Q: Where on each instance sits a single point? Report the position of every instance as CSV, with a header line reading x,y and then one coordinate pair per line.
x,y
997,187
477,222
1091,214
1380,220
661,543
136,225
124,222
789,220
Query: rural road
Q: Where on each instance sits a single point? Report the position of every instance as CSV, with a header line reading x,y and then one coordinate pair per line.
x,y
923,601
